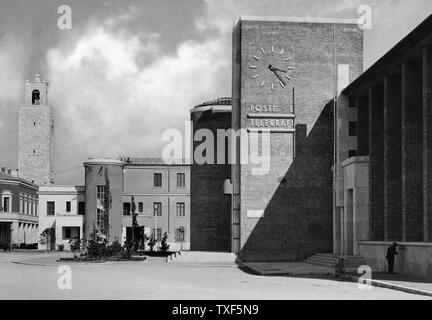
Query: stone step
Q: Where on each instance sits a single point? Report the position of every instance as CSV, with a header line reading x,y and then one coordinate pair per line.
x,y
335,260
203,257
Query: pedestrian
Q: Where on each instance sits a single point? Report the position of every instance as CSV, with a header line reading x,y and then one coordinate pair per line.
x,y
391,252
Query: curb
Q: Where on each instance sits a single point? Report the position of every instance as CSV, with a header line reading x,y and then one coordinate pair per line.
x,y
387,285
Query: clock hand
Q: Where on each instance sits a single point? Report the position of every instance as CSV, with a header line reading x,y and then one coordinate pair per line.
x,y
280,78
280,70
274,70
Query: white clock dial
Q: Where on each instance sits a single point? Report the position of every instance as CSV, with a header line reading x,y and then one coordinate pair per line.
x,y
271,67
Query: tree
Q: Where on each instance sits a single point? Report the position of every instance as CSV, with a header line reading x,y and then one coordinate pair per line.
x,y
151,242
48,237
135,226
107,205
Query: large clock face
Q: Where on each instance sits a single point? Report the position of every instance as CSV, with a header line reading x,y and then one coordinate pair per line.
x,y
271,67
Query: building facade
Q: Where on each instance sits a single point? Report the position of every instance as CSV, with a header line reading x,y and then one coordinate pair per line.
x,y
210,206
19,211
63,209
285,79
36,134
161,194
383,168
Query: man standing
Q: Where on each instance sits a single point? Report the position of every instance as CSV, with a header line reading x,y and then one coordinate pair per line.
x,y
391,252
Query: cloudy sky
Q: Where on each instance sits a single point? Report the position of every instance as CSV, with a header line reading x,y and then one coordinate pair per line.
x,y
128,70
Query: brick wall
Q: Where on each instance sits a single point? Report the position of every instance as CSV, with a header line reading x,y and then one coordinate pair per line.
x,y
210,207
296,195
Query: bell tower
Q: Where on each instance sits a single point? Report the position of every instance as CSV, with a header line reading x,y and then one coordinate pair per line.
x,y
36,133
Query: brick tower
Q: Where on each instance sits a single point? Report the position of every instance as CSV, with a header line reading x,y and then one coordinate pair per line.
x,y
36,132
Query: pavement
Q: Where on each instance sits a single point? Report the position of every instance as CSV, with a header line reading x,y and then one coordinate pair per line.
x,y
31,276
399,282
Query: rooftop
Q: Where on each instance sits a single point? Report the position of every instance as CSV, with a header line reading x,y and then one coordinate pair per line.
x,y
217,102
8,177
299,19
155,161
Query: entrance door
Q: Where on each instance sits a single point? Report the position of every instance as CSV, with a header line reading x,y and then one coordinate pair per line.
x,y
5,235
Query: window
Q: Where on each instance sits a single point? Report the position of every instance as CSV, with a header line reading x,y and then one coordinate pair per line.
x,y
140,207
126,208
352,153
6,204
157,180
36,208
68,206
179,235
21,204
27,206
81,208
157,233
70,233
180,209
67,233
157,209
352,130
100,211
31,206
50,208
180,180
36,97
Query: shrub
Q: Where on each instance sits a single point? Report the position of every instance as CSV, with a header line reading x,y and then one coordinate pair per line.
x,y
60,247
114,249
126,253
75,245
164,244
96,250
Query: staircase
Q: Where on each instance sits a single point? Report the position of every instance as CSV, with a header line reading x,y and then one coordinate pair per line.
x,y
351,263
203,258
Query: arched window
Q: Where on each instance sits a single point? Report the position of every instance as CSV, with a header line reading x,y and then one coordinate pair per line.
x,y
36,97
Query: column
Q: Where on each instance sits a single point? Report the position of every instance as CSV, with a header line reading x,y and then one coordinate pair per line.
x,y
392,158
376,158
363,126
427,143
412,151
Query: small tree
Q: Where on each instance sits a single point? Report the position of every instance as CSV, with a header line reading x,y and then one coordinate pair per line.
x,y
151,242
164,244
47,237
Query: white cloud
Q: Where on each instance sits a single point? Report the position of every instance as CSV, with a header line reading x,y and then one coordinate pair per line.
x,y
108,105
12,70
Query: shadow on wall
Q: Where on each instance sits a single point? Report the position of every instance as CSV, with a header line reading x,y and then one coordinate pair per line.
x,y
298,220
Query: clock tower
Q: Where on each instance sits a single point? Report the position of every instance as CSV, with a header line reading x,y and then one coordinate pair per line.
x,y
285,75
36,133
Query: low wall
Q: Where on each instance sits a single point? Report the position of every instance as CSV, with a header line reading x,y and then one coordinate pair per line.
x,y
413,259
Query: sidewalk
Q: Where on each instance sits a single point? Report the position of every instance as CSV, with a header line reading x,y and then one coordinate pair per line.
x,y
405,283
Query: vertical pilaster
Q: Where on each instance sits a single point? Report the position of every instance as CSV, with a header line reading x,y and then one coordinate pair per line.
x,y
392,158
427,143
363,126
412,151
376,153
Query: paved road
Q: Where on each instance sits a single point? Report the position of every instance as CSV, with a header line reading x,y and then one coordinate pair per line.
x,y
157,280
